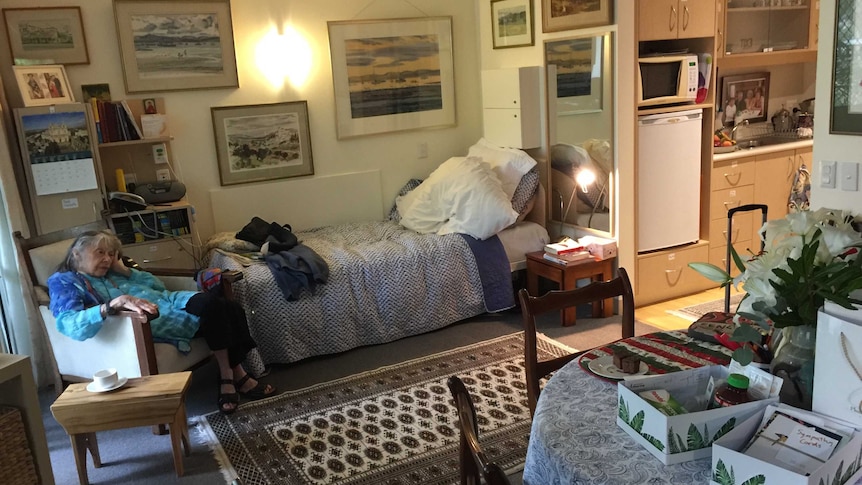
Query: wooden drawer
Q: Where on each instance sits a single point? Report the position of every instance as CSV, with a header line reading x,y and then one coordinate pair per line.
x,y
717,255
166,253
742,227
732,173
665,274
721,201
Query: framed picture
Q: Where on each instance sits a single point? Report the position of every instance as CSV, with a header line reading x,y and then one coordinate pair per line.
x,y
512,23
575,14
262,142
43,85
176,45
846,106
575,74
744,97
54,35
392,75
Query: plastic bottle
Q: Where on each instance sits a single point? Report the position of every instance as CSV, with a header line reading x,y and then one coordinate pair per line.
x,y
734,391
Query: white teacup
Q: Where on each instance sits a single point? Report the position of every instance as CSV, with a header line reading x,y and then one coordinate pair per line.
x,y
106,378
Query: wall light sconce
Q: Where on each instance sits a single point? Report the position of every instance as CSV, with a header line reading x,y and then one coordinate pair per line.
x,y
583,179
284,54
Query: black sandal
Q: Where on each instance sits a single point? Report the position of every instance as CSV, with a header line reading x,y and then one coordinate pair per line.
x,y
256,392
227,398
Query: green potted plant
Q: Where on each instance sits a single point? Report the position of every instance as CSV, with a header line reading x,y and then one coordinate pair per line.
x,y
808,257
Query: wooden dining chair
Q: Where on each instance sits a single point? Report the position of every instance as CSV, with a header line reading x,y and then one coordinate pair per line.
x,y
554,301
474,464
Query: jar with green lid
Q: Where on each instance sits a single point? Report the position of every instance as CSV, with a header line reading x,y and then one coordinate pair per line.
x,y
732,392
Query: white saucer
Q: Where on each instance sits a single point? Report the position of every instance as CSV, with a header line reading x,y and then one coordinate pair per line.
x,y
604,366
120,383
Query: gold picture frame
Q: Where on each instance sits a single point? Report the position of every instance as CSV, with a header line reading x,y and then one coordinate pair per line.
x,y
512,23
408,82
256,143
158,59
50,34
560,15
43,85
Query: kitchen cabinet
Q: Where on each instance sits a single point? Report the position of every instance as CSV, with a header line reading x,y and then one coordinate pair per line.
x,y
731,185
753,33
512,106
675,19
666,274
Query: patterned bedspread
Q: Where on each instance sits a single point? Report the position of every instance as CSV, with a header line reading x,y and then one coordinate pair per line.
x,y
385,283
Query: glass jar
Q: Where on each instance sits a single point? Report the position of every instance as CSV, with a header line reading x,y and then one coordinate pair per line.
x,y
732,392
794,362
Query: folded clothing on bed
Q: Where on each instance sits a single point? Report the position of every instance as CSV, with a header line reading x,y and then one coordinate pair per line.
x,y
260,232
295,269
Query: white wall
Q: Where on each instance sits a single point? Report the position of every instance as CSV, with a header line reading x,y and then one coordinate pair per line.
x,y
842,148
395,155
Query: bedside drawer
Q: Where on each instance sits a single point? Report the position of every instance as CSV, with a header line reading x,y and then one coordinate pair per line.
x,y
721,201
732,173
165,253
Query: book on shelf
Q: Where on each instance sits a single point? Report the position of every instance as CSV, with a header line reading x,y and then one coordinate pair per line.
x,y
567,245
568,258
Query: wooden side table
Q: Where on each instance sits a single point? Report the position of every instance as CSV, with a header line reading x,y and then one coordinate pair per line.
x,y
143,401
567,277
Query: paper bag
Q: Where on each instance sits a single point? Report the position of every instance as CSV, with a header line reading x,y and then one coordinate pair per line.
x,y
838,368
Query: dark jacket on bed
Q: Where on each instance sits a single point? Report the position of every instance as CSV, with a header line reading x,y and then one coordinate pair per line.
x,y
297,268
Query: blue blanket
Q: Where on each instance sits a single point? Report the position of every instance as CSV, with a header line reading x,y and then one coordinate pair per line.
x,y
494,271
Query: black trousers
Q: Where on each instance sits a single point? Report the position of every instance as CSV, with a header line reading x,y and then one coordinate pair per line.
x,y
223,325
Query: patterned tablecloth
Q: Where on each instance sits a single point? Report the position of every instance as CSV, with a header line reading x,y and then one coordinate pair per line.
x,y
574,438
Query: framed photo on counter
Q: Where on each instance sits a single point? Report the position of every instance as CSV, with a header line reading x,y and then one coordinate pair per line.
x,y
43,85
745,97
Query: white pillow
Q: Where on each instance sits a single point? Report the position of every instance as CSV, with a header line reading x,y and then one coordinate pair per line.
x,y
510,164
462,195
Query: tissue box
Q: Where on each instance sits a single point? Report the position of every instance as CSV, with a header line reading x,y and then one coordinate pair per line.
x,y
842,467
599,247
684,437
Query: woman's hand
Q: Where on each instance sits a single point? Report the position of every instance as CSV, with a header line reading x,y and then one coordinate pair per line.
x,y
118,267
132,304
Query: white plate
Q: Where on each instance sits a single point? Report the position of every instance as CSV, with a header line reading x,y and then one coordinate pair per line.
x,y
729,149
604,366
120,383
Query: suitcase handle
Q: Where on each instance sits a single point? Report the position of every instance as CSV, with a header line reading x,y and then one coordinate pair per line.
x,y
743,208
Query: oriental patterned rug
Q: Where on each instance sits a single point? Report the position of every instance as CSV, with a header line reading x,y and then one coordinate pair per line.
x,y
393,425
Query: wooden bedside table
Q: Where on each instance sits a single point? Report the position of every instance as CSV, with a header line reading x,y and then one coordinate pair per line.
x,y
567,277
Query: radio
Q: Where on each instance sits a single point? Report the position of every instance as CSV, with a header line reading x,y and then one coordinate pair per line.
x,y
161,192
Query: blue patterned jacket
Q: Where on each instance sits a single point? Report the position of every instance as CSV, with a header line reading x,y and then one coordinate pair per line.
x,y
75,304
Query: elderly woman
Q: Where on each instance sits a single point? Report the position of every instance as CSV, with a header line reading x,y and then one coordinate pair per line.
x,y
92,283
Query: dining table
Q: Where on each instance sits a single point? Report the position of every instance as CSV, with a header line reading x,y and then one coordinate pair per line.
x,y
574,438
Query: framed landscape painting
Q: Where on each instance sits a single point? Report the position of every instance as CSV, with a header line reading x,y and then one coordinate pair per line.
x,y
575,74
512,23
575,14
46,35
262,142
43,85
392,75
177,45
846,106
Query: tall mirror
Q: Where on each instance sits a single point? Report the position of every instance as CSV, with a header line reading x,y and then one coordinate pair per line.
x,y
580,131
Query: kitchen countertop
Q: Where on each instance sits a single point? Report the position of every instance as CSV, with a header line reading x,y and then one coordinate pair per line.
x,y
749,152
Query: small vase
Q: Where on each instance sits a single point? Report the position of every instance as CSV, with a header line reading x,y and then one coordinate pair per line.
x,y
794,362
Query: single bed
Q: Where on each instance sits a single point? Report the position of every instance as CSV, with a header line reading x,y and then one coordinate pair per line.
x,y
388,281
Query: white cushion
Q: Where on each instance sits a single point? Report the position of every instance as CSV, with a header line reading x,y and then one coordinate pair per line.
x,y
462,195
510,164
47,258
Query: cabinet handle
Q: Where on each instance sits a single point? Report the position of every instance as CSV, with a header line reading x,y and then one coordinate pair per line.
x,y
791,170
728,205
735,235
671,22
685,18
157,260
668,273
738,176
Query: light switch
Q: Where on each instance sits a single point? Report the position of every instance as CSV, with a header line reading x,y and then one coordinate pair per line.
x,y
848,173
827,174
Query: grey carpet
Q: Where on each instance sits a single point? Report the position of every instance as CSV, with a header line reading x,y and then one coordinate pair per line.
x,y
692,313
136,456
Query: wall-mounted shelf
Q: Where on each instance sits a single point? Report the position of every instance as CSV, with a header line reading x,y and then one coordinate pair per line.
x,y
143,141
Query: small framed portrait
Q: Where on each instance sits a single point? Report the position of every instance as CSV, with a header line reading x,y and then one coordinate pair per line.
x,y
262,142
46,34
512,23
744,97
43,85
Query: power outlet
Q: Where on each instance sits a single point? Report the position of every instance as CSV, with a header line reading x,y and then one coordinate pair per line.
x,y
828,173
163,175
422,150
160,153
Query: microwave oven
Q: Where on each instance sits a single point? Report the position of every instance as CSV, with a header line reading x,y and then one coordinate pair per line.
x,y
667,79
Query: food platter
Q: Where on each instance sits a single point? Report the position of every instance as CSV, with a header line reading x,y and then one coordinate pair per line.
x,y
604,366
731,148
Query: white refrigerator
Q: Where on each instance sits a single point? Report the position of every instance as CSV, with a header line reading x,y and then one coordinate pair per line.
x,y
668,188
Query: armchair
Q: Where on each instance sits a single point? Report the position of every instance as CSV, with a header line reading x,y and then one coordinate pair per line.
x,y
125,342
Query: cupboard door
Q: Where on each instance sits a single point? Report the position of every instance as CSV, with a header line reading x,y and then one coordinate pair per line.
x,y
696,19
658,19
728,174
773,178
